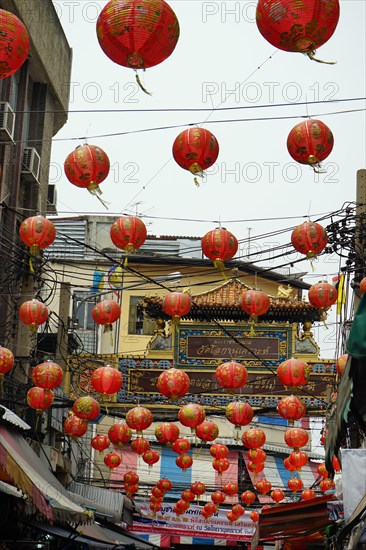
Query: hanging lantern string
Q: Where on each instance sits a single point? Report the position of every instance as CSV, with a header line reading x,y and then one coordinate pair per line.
x,y
140,84
311,56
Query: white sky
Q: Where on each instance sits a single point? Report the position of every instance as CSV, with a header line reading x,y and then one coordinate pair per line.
x,y
219,49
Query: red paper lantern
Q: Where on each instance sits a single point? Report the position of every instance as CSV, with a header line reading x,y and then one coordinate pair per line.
x,y
74,426
198,488
310,142
188,496
295,484
341,363
257,456
326,484
218,450
277,495
309,238
155,500
128,233
291,408
33,313
255,303
179,511
120,434
106,380
99,442
14,45
37,232
322,295
230,488
289,465
209,509
155,507
322,470
363,286
220,246
195,149
106,313
238,413
131,489
87,167
254,516
231,375
182,506
140,445
248,497
131,478
181,446
207,431
6,361
238,510
191,415
231,516
173,383
151,457
220,465
263,486
184,462
176,304
39,399
255,467
47,375
296,438
218,497
299,459
157,492
308,494
112,460
164,484
139,419
253,438
86,407
297,27
166,433
293,373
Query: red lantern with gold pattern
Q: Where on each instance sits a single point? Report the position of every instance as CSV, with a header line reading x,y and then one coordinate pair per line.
x,y
112,460
255,303
254,516
198,488
309,238
231,516
341,363
37,232
86,407
248,497
128,233
166,433
74,426
299,459
289,465
218,497
164,484
326,484
296,438
322,295
277,495
139,419
181,446
207,431
182,506
209,509
322,470
151,457
291,408
120,434
293,373
257,456
310,142
191,415
140,445
155,500
106,380
39,399
6,361
255,467
157,492
231,375
253,438
184,461
308,494
295,484
218,450
176,304
155,507
238,413
188,496
195,149
47,375
295,27
14,45
220,246
99,442
33,313
87,167
131,489
220,465
106,313
131,478
238,510
263,486
173,383
230,488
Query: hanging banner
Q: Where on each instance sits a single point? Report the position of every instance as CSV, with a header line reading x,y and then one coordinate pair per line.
x,y
193,524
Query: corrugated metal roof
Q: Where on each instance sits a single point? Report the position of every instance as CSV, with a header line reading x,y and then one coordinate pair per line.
x,y
69,241
12,418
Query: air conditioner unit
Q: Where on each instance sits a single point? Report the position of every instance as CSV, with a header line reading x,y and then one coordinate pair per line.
x,y
51,199
31,164
7,122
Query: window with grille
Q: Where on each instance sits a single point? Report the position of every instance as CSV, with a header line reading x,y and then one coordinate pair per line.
x,y
137,322
85,327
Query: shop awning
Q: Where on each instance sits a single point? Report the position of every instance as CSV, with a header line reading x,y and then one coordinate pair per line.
x,y
26,471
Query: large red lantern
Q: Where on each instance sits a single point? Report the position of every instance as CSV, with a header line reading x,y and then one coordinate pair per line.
x,y
74,426
131,478
289,465
187,495
131,489
39,399
255,467
99,442
263,486
128,233
106,313
158,492
299,459
255,303
182,506
184,461
33,313
6,361
14,45
310,142
238,413
173,383
139,419
296,438
231,375
230,488
253,438
87,167
277,495
308,494
218,450
220,246
291,408
120,434
112,460
164,484
302,27
248,497
326,484
195,149
137,34
218,497
140,445
155,507
86,407
176,304
293,373
37,232
238,510
106,380
254,516
231,516
207,431
151,457
181,446
191,415
295,484
198,488
257,456
309,238
209,509
166,433
322,295
220,465
47,375
341,363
